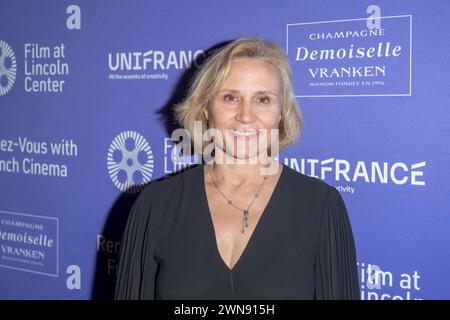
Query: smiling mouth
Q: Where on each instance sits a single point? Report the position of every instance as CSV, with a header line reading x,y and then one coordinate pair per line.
x,y
244,133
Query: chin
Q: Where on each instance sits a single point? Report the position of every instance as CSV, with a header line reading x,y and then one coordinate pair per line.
x,y
244,154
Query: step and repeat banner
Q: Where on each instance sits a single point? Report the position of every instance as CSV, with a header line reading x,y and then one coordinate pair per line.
x,y
87,90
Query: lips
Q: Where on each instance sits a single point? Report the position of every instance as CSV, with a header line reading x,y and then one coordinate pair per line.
x,y
244,133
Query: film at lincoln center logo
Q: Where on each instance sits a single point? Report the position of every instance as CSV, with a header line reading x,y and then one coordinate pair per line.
x,y
130,161
8,68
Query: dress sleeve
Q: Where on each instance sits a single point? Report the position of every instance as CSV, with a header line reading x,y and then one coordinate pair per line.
x,y
137,265
336,275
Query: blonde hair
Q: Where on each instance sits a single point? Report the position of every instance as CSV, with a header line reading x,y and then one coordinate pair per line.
x,y
213,73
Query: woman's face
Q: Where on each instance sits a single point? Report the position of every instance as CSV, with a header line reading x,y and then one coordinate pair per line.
x,y
246,107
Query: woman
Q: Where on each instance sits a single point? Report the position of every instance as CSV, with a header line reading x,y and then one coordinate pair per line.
x,y
242,226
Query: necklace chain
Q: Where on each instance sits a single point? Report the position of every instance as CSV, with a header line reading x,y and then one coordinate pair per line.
x,y
244,211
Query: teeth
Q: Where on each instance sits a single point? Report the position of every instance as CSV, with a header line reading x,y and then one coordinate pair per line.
x,y
244,133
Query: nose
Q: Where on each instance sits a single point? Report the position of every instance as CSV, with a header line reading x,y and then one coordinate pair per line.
x,y
246,113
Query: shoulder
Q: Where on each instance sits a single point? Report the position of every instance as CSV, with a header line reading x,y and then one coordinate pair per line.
x,y
185,175
321,198
308,185
170,184
320,203
157,198
310,193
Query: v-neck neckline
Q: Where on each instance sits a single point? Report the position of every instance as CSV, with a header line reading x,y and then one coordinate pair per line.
x,y
261,220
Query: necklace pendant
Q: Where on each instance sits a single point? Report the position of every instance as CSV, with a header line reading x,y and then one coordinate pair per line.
x,y
245,212
245,218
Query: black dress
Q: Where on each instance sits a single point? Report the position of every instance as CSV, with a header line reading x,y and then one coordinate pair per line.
x,y
301,248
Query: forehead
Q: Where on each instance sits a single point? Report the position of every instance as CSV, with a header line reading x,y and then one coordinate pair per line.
x,y
253,73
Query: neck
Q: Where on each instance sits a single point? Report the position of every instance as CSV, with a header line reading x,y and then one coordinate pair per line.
x,y
236,173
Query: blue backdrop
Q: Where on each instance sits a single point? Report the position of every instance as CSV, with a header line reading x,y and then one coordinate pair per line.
x,y
86,94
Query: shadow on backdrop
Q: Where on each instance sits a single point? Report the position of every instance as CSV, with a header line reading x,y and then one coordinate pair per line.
x,y
103,286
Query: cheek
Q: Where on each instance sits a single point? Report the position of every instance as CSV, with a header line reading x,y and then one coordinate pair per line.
x,y
271,120
220,116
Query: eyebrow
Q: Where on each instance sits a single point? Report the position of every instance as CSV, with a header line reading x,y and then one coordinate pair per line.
x,y
257,92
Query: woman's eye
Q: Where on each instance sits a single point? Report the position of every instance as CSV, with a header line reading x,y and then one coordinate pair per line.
x,y
230,98
264,100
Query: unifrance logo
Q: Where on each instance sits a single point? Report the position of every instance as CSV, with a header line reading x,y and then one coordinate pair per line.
x,y
130,161
344,173
150,64
8,68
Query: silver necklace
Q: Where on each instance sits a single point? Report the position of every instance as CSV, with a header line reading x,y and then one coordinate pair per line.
x,y
244,211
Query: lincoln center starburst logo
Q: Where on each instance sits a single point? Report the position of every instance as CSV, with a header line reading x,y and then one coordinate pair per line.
x,y
130,161
8,68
